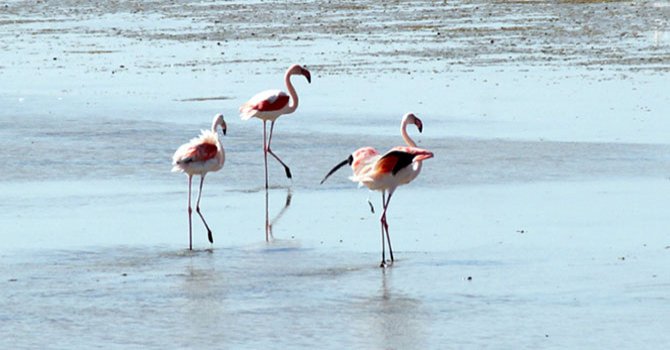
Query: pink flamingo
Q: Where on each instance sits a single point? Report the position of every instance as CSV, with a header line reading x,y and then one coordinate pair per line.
x,y
269,105
385,173
200,156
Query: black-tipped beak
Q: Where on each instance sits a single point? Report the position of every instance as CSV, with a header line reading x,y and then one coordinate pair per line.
x,y
419,124
307,75
224,131
347,161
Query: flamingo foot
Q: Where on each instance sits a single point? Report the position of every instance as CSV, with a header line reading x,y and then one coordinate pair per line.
x,y
210,237
288,173
386,264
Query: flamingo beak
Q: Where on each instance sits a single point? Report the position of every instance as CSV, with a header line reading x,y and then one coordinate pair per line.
x,y
347,161
419,124
307,75
224,131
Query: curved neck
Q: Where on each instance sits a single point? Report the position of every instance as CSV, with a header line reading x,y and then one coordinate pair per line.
x,y
218,138
293,105
405,136
216,133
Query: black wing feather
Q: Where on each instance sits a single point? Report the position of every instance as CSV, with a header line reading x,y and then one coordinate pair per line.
x,y
404,159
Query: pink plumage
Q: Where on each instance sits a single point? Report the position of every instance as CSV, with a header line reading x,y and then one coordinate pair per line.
x,y
264,103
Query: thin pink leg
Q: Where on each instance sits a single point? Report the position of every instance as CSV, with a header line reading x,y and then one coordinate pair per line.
x,y
265,152
386,226
197,209
383,223
268,227
189,210
286,168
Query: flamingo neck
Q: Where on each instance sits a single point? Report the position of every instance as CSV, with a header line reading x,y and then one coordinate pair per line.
x,y
411,143
405,136
216,133
293,105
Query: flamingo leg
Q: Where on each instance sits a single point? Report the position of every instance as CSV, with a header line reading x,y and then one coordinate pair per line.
x,y
372,207
197,209
265,152
286,168
383,223
189,210
386,226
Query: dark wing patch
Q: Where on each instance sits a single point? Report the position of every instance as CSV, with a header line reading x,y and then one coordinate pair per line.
x,y
394,161
272,105
206,151
199,153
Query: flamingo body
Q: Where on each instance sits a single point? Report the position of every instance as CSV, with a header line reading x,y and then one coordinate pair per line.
x,y
199,156
266,105
396,167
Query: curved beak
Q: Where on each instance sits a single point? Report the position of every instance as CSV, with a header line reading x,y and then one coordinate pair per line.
x,y
347,161
307,75
419,124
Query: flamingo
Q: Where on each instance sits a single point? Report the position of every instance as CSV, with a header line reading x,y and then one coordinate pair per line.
x,y
198,157
269,105
384,173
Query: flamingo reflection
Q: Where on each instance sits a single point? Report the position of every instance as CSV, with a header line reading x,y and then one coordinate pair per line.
x,y
270,223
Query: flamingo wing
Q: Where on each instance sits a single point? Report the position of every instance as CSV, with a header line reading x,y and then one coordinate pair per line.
x,y
393,161
198,153
266,101
400,157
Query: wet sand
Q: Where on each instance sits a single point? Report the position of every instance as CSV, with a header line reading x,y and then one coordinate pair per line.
x,y
540,223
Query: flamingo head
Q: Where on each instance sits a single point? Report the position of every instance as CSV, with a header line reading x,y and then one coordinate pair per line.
x,y
347,161
410,118
297,69
218,121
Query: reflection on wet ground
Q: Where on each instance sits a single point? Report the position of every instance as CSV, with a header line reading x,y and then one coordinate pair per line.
x,y
269,236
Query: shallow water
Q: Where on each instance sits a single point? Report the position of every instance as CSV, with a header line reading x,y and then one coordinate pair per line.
x,y
540,223
538,265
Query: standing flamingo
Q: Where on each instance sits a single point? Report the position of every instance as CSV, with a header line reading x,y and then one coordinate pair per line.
x,y
269,105
200,156
385,173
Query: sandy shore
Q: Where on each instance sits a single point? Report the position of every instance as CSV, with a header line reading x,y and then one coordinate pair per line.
x,y
366,37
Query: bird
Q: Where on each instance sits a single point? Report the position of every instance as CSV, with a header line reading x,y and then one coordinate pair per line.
x,y
268,105
398,166
201,155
